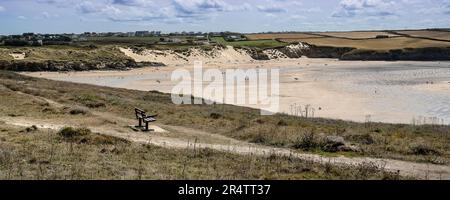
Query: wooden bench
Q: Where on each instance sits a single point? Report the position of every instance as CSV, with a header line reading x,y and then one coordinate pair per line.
x,y
144,118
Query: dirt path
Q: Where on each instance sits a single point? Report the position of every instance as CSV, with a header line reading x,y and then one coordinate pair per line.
x,y
182,138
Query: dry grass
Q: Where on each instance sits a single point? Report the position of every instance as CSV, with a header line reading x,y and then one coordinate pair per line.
x,y
44,154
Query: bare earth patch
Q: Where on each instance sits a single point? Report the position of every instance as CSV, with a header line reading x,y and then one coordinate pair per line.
x,y
18,56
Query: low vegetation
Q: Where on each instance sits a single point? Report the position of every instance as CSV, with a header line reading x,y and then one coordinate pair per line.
x,y
77,153
65,53
261,44
112,40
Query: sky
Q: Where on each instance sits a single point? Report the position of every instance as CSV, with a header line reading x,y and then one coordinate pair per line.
x,y
77,16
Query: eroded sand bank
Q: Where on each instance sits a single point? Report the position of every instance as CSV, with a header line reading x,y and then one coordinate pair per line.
x,y
394,92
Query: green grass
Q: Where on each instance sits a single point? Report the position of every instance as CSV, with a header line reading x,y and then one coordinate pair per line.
x,y
262,44
122,40
86,53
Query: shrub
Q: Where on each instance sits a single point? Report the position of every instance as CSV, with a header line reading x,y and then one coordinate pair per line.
x,y
307,141
259,139
95,104
363,139
215,115
282,123
70,133
85,136
31,129
423,149
98,139
78,111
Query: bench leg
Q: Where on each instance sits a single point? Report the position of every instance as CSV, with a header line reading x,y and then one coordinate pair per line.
x,y
140,124
146,128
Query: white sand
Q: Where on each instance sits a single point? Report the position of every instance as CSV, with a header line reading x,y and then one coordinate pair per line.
x,y
18,56
394,92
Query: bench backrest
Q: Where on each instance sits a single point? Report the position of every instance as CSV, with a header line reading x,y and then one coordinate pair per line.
x,y
139,113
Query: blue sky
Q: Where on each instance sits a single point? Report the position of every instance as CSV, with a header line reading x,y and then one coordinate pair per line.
x,y
67,16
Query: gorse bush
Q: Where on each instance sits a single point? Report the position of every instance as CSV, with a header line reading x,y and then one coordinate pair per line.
x,y
423,149
307,141
70,133
85,136
78,111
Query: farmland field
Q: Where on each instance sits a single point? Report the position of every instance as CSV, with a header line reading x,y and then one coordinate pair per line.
x,y
123,40
442,35
271,36
266,43
357,34
373,44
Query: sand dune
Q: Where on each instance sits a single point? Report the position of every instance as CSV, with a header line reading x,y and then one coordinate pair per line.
x,y
169,57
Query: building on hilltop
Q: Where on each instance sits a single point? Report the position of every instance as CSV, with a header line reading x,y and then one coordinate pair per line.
x,y
142,33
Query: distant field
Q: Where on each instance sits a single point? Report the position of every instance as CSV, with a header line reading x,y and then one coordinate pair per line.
x,y
375,44
357,34
270,36
267,43
356,39
442,35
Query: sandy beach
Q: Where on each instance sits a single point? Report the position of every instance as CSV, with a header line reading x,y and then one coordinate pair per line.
x,y
376,91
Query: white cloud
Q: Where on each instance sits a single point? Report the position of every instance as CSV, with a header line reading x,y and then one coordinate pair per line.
x,y
272,8
2,8
201,6
352,8
46,15
88,7
21,17
140,3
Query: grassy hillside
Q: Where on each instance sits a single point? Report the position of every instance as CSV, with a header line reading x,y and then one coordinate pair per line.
x,y
79,153
430,143
65,53
42,154
261,44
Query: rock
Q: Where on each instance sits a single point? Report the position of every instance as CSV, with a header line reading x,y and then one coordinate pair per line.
x,y
337,143
334,141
